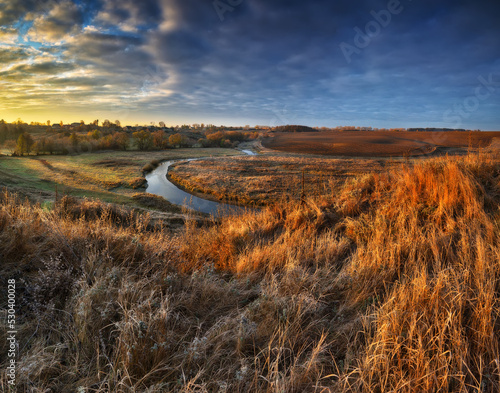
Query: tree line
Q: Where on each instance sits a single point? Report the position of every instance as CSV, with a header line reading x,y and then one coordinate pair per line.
x,y
22,139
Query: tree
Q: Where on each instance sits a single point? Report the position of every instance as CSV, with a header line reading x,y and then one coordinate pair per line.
x,y
143,139
74,140
11,146
94,134
3,131
159,139
21,145
120,139
118,124
49,145
161,124
48,123
18,128
24,143
29,143
176,140
40,145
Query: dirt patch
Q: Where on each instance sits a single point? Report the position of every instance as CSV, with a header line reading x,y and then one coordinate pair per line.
x,y
47,164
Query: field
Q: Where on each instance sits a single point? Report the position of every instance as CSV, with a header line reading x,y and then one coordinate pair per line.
x,y
110,176
271,178
373,275
389,283
378,143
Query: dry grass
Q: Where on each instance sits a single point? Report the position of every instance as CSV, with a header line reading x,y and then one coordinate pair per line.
x,y
391,284
268,179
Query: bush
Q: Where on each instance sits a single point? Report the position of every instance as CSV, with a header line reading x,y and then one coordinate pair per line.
x,y
151,166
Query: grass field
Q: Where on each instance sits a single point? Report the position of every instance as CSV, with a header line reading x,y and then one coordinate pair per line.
x,y
378,143
390,283
271,178
108,175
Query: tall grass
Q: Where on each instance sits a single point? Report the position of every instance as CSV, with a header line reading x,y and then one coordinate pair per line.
x,y
391,284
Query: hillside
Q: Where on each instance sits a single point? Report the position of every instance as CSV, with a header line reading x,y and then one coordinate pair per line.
x,y
293,128
391,284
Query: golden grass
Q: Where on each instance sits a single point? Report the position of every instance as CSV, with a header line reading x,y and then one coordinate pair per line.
x,y
270,178
390,284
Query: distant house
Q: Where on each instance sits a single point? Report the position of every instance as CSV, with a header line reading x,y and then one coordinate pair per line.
x,y
73,125
56,126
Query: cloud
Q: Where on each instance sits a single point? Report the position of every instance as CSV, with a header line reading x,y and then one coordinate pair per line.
x,y
63,20
43,68
180,47
12,10
8,35
128,15
94,45
266,60
78,81
10,55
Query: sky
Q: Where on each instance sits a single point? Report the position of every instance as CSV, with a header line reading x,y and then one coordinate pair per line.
x,y
408,63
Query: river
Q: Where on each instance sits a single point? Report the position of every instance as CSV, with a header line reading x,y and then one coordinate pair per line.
x,y
158,184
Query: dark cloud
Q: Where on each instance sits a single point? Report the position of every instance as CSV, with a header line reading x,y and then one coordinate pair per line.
x,y
135,13
264,54
63,19
181,47
9,55
89,81
93,45
45,68
12,10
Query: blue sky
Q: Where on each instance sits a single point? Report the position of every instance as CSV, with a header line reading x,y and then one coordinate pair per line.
x,y
390,63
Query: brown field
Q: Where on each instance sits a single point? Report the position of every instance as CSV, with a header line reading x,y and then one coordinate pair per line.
x,y
267,179
378,143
